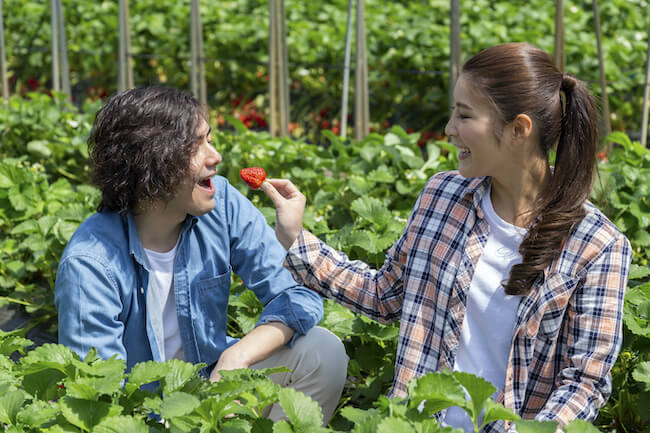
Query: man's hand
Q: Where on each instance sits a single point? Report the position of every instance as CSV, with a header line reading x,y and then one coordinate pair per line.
x,y
289,205
256,346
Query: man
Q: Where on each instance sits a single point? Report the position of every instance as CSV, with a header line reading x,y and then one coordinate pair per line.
x,y
148,276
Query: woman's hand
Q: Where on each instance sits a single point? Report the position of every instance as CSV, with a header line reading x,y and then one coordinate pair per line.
x,y
289,209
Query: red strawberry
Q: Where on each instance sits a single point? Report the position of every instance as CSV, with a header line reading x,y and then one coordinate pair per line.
x,y
253,176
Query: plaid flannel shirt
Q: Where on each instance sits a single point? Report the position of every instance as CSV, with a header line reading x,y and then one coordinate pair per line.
x,y
568,330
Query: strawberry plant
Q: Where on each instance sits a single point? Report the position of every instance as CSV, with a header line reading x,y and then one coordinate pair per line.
x,y
359,195
51,389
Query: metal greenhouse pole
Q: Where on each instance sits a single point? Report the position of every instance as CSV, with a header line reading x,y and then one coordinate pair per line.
x,y
346,73
198,58
646,96
606,127
454,47
54,20
3,58
558,48
361,103
278,70
125,69
63,50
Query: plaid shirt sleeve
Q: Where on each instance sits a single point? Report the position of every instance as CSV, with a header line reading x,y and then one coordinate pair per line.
x,y
377,294
594,334
374,293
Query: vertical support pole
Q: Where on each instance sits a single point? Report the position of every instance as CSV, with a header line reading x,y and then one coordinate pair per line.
x,y
198,58
346,73
454,47
361,104
273,100
558,48
54,24
3,58
606,127
125,70
646,96
193,51
63,51
284,84
278,70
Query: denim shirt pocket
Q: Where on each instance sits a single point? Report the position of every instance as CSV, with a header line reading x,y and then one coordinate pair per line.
x,y
212,304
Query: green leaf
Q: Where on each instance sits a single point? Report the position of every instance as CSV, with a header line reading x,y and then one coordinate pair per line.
x,y
147,372
641,374
580,426
395,425
10,404
303,412
495,411
47,356
530,426
38,413
13,343
282,427
478,389
43,384
94,366
438,390
381,175
121,424
86,414
236,426
373,210
356,415
181,373
177,404
642,238
638,272
619,138
39,149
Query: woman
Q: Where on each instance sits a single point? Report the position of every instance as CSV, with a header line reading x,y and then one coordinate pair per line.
x,y
504,270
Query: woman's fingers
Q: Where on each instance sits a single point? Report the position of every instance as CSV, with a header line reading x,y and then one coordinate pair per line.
x,y
289,205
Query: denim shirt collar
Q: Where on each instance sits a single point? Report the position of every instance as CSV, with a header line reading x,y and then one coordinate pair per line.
x,y
135,246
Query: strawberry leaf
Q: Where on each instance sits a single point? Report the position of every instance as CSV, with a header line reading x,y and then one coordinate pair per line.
x,y
121,424
303,412
177,404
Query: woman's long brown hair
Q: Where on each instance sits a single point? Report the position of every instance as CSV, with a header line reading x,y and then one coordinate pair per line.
x,y
520,78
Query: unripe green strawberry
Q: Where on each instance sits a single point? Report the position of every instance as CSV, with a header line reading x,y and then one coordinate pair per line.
x,y
253,176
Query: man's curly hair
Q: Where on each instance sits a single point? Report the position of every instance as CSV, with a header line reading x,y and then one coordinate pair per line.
x,y
140,146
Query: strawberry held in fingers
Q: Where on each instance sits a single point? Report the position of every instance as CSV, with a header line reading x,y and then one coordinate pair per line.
x,y
253,176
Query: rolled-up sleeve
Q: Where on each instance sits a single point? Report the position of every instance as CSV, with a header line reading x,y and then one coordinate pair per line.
x,y
257,257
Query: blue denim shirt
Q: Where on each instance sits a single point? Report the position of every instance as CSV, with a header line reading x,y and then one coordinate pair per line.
x,y
102,297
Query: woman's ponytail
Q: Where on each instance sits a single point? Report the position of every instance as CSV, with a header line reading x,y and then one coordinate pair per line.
x,y
561,205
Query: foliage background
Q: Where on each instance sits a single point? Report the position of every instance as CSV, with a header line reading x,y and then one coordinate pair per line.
x,y
360,193
408,51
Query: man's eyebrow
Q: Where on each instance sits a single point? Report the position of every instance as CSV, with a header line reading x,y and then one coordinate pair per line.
x,y
463,105
206,134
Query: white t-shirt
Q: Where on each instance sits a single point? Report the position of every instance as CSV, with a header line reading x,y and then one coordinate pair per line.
x,y
161,280
491,314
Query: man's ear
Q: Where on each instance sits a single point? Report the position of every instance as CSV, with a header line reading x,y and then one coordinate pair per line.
x,y
522,128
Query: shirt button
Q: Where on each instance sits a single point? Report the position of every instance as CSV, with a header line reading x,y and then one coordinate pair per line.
x,y
142,290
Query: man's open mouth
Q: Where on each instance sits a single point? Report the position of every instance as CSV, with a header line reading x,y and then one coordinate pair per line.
x,y
206,183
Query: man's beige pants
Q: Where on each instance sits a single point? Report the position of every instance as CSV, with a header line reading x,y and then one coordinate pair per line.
x,y
318,365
